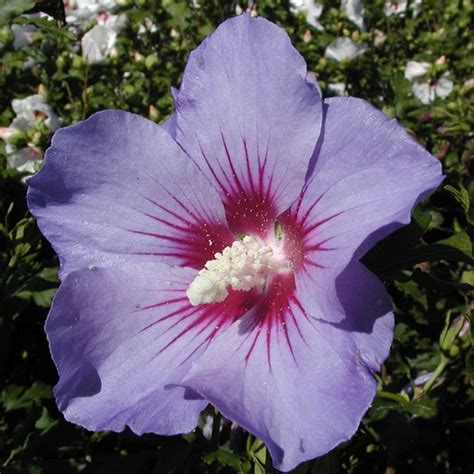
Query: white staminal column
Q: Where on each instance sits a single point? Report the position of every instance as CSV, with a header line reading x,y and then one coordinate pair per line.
x,y
244,265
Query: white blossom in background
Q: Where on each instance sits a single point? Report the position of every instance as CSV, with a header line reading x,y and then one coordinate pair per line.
x,y
80,12
338,88
354,10
307,37
98,43
29,112
444,86
395,8
344,49
311,9
115,22
250,8
22,35
427,92
7,132
207,427
147,26
23,160
400,8
469,84
422,87
379,37
414,69
209,422
416,6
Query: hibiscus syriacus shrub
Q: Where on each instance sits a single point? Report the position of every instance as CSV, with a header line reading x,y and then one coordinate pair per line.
x,y
252,275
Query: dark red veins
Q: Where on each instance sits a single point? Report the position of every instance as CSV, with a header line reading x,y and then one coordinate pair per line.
x,y
276,320
247,192
201,322
186,238
302,242
276,313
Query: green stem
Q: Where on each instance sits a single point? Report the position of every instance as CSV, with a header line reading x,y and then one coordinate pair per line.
x,y
396,397
437,372
84,93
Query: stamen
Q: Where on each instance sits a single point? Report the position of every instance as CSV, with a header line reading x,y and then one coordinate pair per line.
x,y
244,265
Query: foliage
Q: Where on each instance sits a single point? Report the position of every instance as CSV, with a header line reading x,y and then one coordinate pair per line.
x,y
411,427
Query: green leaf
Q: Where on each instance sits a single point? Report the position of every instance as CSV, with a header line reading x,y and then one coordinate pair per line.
x,y
151,61
41,287
16,398
14,452
401,88
461,195
468,277
394,253
470,212
227,458
470,366
388,401
381,407
257,453
327,464
458,247
464,198
10,9
425,407
429,281
470,317
387,257
48,26
45,422
10,396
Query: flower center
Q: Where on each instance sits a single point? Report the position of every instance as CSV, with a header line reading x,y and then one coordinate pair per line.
x,y
246,264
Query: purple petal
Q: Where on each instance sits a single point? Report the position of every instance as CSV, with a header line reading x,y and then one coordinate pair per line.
x,y
170,125
249,117
368,174
298,383
117,189
121,337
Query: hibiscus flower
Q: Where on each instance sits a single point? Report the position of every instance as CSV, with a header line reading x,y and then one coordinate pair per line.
x,y
215,259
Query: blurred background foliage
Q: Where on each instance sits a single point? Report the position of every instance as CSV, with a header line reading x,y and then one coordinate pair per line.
x,y
422,420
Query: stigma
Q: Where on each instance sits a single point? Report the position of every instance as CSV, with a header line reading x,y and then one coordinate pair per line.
x,y
244,265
